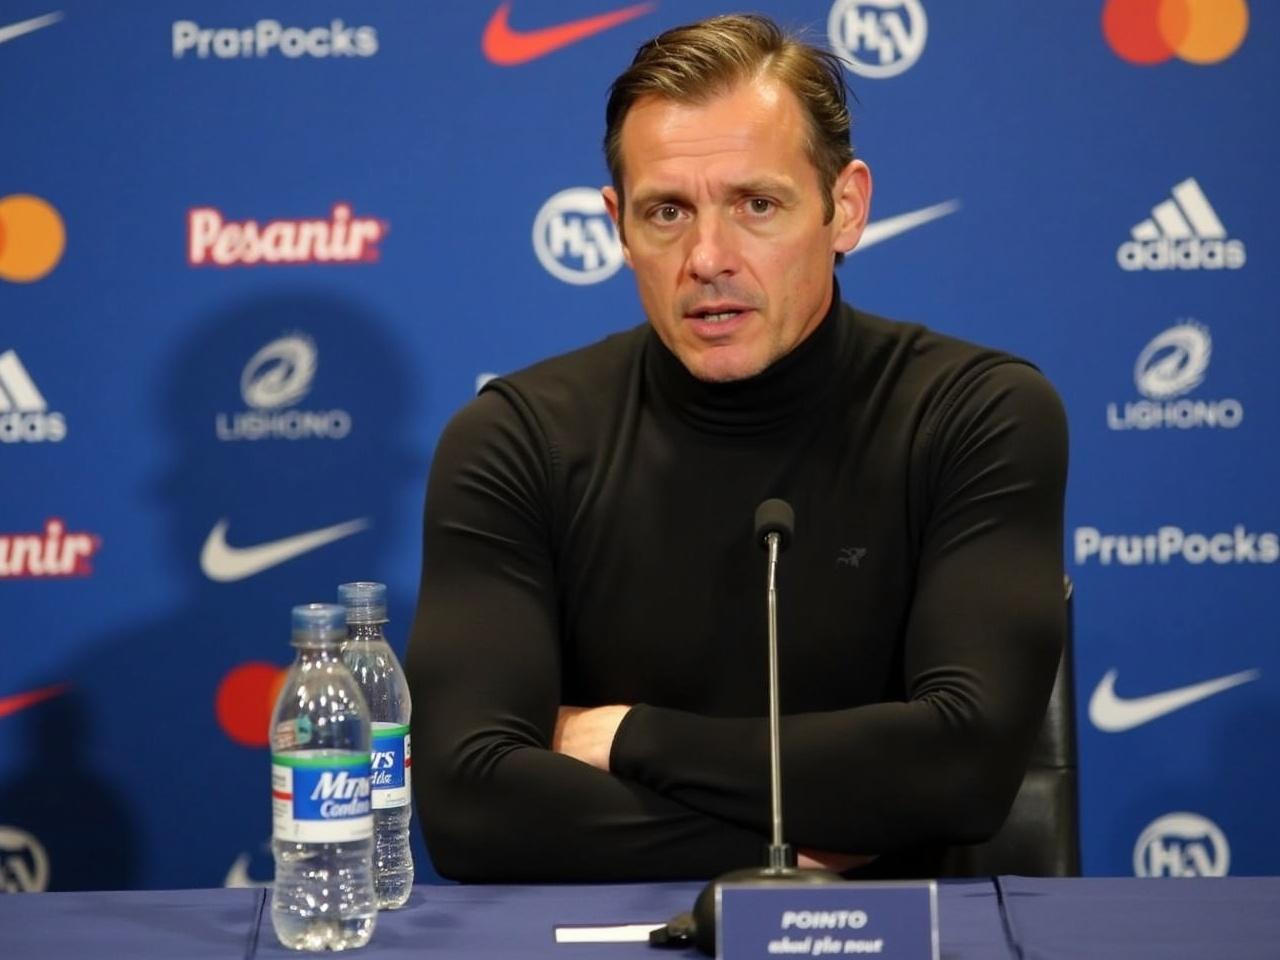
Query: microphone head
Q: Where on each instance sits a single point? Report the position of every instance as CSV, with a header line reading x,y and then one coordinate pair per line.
x,y
775,516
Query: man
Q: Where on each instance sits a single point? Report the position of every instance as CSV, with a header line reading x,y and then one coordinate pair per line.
x,y
588,660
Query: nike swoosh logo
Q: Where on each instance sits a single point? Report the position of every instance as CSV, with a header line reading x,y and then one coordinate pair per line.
x,y
15,30
1114,714
224,563
20,701
892,226
510,48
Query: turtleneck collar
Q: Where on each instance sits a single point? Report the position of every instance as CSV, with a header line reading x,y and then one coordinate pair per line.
x,y
773,398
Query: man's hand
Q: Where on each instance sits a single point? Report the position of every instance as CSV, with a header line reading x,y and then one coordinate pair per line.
x,y
586,733
835,862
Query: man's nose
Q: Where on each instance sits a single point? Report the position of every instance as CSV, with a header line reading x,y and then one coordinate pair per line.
x,y
713,252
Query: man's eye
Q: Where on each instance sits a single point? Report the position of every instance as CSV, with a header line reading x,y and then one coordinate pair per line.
x,y
667,213
760,206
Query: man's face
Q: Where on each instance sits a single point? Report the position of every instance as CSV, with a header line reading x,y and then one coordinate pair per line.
x,y
723,226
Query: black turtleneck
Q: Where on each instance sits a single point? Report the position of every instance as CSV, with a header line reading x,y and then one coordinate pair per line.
x,y
770,402
588,541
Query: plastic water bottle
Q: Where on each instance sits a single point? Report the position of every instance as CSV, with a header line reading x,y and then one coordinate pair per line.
x,y
322,816
374,665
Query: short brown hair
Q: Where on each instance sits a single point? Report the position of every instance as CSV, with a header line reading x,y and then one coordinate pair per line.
x,y
699,61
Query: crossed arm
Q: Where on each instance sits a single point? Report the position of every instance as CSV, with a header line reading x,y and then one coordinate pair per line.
x,y
586,734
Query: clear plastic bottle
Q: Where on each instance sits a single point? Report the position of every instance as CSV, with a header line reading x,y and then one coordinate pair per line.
x,y
374,665
322,817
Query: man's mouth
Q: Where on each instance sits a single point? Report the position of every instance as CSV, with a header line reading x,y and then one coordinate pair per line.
x,y
718,313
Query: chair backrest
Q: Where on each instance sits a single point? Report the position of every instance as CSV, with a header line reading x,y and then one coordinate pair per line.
x,y
1041,837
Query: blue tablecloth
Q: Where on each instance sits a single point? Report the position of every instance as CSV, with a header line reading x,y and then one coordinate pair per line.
x,y
503,923
1011,918
155,924
1119,918
476,922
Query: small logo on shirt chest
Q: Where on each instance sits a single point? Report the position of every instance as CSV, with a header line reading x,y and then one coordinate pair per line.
x,y
851,556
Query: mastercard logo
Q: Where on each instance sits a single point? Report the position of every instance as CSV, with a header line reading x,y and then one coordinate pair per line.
x,y
32,238
1147,32
245,699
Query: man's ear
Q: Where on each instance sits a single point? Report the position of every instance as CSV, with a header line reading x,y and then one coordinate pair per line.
x,y
852,195
614,206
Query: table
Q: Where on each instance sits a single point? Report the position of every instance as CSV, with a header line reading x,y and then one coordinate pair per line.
x,y
1004,918
169,924
1191,918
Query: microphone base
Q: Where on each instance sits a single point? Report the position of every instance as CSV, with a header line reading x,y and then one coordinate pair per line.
x,y
704,908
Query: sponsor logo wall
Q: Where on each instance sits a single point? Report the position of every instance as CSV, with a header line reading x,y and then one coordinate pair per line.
x,y
25,416
1182,845
1150,32
1171,365
878,38
24,865
51,552
268,38
575,240
32,238
1182,233
223,373
274,380
213,240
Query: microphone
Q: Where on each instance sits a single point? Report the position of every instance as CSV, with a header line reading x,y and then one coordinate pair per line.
x,y
775,526
775,517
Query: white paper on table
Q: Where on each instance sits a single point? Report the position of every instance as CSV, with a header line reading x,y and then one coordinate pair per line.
x,y
623,933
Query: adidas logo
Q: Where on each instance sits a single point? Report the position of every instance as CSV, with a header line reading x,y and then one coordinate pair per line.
x,y
1182,233
24,416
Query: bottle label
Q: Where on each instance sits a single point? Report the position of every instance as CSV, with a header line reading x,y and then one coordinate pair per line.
x,y
321,799
391,762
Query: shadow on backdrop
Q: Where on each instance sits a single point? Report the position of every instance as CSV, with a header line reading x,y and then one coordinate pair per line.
x,y
69,825
282,421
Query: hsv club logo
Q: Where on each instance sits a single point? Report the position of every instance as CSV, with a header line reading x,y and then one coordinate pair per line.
x,y
212,240
1148,32
1181,845
877,38
51,553
24,864
509,47
32,238
574,238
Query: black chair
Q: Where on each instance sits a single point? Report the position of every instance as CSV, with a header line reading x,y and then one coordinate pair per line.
x,y
1041,837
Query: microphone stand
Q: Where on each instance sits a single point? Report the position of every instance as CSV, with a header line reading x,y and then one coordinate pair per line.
x,y
780,854
775,522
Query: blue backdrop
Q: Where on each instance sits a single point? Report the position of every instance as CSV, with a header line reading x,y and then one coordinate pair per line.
x,y
252,257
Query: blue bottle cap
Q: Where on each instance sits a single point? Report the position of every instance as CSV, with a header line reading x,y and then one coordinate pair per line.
x,y
319,624
365,601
